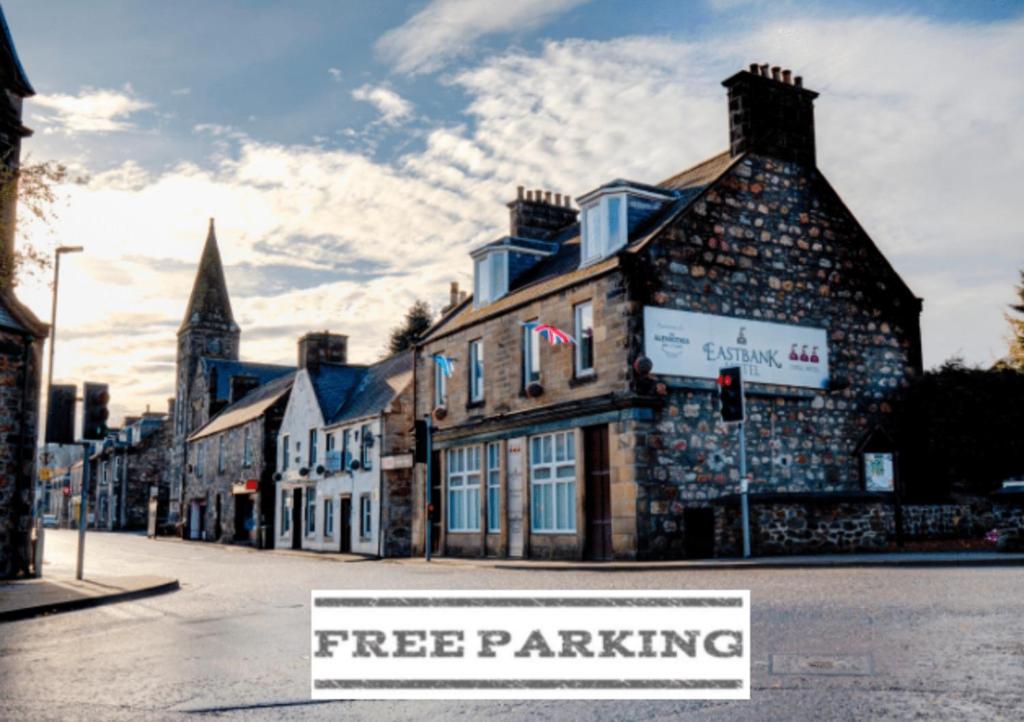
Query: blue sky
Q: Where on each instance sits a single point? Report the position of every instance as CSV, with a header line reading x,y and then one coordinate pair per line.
x,y
352,152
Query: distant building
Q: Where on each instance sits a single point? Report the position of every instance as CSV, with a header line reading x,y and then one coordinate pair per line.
x,y
346,454
209,375
611,445
131,467
21,334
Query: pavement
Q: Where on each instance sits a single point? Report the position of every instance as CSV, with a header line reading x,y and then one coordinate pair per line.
x,y
863,642
26,598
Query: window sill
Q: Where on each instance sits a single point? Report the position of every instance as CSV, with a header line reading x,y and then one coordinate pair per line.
x,y
475,405
563,532
582,380
464,531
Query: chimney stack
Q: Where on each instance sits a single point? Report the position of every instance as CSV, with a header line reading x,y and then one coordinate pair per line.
x,y
453,295
320,347
540,214
771,113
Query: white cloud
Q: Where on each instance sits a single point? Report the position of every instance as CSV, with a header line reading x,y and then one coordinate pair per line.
x,y
446,29
335,74
92,110
393,108
916,129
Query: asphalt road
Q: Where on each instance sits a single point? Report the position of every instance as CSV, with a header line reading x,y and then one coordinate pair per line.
x,y
233,642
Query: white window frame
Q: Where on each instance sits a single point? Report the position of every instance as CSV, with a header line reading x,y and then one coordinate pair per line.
x,y
493,487
596,242
286,509
463,488
490,277
531,355
552,491
440,384
285,451
310,511
312,448
476,370
329,517
580,335
365,516
365,451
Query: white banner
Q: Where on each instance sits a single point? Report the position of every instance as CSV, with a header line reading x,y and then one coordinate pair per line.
x,y
533,644
682,343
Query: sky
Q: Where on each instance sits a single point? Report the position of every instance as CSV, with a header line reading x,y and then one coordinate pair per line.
x,y
352,153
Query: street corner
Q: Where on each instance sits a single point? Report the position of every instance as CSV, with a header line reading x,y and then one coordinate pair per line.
x,y
41,597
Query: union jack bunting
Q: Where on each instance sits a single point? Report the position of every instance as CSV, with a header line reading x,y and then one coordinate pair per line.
x,y
445,364
553,335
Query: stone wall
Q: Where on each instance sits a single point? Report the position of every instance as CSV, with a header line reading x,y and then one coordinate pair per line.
x,y
944,521
771,243
398,438
148,465
19,418
808,527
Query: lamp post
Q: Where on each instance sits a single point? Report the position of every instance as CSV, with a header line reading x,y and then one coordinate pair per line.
x,y
53,325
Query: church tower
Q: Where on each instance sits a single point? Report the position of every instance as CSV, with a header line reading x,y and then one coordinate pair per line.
x,y
208,330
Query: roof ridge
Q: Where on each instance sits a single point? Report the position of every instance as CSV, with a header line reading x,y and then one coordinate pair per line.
x,y
707,161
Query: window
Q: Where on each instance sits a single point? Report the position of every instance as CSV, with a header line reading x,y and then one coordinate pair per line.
x,y
310,511
531,354
329,517
220,453
286,512
365,443
247,447
346,437
285,452
440,384
584,332
200,458
494,487
330,442
553,482
476,370
312,448
365,516
490,277
604,227
464,489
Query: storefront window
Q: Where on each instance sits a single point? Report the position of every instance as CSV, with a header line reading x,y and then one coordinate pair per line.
x,y
553,482
464,489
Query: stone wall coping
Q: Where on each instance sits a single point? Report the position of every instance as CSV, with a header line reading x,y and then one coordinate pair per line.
x,y
810,497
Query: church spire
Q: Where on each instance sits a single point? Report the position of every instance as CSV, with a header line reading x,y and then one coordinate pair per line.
x,y
209,303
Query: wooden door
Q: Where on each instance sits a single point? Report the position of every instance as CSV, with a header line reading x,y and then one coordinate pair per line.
x,y
297,529
598,493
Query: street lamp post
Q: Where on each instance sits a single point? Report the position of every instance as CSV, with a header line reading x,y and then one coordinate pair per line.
x,y
53,325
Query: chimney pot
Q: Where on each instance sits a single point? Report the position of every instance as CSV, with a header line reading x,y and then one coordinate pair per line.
x,y
787,76
558,199
547,196
537,195
764,70
453,294
519,192
754,69
798,81
775,72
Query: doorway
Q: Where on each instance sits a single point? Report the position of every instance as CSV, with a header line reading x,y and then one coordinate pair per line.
x,y
297,518
194,521
243,516
699,533
597,478
346,524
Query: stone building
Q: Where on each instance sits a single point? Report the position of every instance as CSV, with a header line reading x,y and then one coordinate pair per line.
x,y
229,486
130,467
21,334
209,373
345,467
611,446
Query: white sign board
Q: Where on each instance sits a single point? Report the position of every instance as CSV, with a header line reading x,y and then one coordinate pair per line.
x,y
399,461
682,343
878,472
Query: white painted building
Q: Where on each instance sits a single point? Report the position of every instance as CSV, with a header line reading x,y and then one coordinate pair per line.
x,y
341,428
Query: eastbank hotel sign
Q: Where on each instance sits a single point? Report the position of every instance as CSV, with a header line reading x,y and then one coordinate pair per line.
x,y
683,343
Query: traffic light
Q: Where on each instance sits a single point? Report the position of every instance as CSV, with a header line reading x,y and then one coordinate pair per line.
x,y
730,393
420,456
60,415
94,412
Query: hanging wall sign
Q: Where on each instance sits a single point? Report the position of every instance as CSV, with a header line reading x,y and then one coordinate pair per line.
x,y
682,343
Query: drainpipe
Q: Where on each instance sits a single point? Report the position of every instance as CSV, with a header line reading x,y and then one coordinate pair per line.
x,y
19,506
380,487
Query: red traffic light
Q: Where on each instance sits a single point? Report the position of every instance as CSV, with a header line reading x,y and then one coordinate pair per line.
x,y
724,380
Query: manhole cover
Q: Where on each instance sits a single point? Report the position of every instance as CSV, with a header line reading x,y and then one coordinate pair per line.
x,y
823,664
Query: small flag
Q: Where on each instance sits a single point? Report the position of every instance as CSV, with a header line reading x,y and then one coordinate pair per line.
x,y
554,336
445,364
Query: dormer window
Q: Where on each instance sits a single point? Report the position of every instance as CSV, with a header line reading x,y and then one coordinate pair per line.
x,y
604,227
490,277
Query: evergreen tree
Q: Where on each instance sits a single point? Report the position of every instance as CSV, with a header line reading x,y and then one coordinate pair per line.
x,y
417,320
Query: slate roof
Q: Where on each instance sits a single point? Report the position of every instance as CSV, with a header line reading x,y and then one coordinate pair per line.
x,y
209,299
333,384
378,387
562,269
249,407
16,316
12,73
226,369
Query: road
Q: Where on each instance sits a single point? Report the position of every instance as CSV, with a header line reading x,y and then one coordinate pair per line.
x,y
233,642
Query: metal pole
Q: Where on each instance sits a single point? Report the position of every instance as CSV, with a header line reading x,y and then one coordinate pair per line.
x,y
426,505
83,513
744,491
